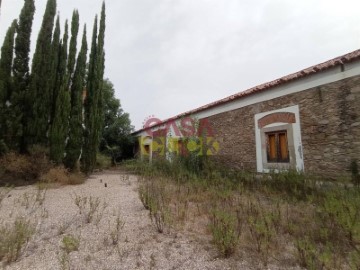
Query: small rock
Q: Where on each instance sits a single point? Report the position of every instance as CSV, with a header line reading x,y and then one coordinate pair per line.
x,y
105,185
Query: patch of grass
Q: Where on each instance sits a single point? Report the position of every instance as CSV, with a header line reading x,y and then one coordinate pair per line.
x,y
13,237
70,243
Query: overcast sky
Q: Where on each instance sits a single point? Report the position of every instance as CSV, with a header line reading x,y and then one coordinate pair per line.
x,y
169,56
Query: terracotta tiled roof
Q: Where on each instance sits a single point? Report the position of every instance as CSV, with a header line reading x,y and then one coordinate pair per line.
x,y
347,58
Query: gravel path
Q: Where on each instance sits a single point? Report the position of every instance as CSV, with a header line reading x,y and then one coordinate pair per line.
x,y
139,245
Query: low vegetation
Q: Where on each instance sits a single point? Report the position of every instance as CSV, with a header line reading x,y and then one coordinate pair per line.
x,y
16,169
288,218
13,237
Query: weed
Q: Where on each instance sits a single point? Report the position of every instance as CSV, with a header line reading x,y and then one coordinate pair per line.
x,y
155,198
259,224
116,232
306,253
70,243
80,202
90,208
13,238
225,231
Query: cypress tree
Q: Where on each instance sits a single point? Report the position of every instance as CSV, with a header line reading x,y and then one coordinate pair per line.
x,y
40,85
18,103
55,54
59,126
91,103
73,148
94,112
7,53
100,70
73,45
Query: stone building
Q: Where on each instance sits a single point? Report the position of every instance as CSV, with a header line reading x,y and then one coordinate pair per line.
x,y
308,121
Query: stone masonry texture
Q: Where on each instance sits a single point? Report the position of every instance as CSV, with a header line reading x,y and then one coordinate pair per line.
x,y
329,121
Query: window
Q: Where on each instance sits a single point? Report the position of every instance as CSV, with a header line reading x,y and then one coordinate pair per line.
x,y
147,149
277,147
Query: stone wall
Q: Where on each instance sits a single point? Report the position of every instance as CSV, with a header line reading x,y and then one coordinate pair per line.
x,y
330,128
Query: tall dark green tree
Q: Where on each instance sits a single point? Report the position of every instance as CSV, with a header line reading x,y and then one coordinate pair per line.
x,y
60,124
7,54
55,55
94,113
18,102
75,142
40,84
73,45
100,70
90,107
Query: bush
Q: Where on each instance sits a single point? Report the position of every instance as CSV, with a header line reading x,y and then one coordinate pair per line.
x,y
62,176
18,166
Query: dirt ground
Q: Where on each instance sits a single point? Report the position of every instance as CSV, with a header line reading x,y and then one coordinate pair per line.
x,y
136,245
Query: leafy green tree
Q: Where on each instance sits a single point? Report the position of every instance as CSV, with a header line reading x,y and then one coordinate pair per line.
x,y
18,99
7,54
59,126
73,148
40,84
116,140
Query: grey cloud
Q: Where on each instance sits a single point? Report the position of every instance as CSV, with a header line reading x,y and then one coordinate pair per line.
x,y
168,56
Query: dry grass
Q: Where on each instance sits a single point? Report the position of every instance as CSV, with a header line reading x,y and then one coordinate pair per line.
x,y
60,175
283,219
